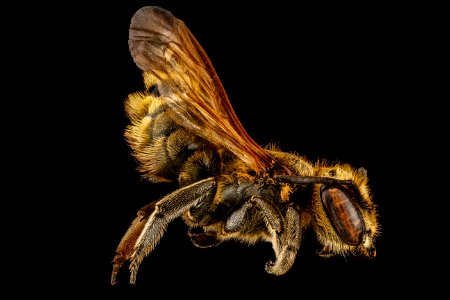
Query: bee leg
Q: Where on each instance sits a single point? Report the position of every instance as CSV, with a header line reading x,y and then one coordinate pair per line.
x,y
199,214
147,229
241,216
238,218
126,245
203,239
286,244
286,231
271,213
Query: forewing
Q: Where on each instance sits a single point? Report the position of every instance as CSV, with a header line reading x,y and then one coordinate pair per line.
x,y
162,45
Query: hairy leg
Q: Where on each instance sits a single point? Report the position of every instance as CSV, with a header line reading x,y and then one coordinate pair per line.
x,y
238,218
286,244
242,216
149,226
271,213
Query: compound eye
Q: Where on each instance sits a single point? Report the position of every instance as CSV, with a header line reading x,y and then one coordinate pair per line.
x,y
344,215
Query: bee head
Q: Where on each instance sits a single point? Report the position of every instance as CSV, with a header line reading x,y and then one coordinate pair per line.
x,y
342,209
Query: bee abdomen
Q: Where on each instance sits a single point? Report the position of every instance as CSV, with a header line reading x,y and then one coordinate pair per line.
x,y
159,144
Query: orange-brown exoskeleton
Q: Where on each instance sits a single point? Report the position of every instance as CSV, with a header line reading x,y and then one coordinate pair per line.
x,y
184,129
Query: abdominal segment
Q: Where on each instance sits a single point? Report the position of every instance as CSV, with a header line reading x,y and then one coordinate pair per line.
x,y
159,145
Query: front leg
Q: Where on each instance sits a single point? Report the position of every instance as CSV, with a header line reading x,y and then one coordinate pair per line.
x,y
243,215
287,243
149,226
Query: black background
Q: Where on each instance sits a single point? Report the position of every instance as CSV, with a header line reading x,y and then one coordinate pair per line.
x,y
329,82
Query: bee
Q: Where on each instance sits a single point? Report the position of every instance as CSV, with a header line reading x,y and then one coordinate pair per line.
x,y
183,129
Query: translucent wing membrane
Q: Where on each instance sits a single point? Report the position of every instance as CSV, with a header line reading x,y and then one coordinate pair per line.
x,y
162,45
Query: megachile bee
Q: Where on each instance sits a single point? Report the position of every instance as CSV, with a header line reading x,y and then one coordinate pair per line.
x,y
183,128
